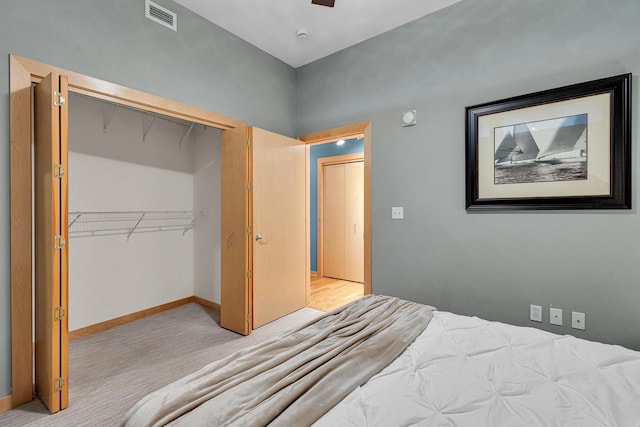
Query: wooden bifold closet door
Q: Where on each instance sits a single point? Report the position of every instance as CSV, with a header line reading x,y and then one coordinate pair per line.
x,y
51,251
343,221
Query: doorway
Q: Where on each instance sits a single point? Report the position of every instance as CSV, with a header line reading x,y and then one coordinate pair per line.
x,y
23,73
341,218
339,249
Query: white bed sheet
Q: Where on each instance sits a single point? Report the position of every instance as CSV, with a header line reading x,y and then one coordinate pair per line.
x,y
465,371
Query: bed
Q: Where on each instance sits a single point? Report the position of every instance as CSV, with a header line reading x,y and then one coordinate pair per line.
x,y
381,361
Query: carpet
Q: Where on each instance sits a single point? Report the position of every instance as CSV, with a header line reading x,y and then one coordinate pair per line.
x,y
111,370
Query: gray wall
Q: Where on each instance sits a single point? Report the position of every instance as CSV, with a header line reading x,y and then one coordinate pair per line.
x,y
492,265
201,65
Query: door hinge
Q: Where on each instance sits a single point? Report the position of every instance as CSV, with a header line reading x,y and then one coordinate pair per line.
x,y
248,143
58,99
58,384
59,242
248,186
249,230
58,171
58,313
248,274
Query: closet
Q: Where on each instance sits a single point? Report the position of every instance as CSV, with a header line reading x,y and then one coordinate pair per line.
x,y
343,221
133,221
144,211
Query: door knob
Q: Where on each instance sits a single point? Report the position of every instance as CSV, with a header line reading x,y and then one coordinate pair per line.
x,y
258,238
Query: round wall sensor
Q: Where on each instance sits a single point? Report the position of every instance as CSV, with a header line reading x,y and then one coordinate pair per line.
x,y
302,34
409,118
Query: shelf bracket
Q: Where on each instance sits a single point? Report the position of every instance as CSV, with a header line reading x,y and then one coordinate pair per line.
x,y
135,226
186,135
146,128
106,117
189,227
74,220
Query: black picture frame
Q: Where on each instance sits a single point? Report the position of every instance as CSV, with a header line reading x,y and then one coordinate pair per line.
x,y
502,175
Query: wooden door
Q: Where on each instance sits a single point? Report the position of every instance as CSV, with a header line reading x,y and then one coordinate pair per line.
x,y
354,221
343,221
51,251
235,246
333,244
279,225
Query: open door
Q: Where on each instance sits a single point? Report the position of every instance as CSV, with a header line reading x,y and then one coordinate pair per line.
x,y
279,227
263,228
235,256
51,252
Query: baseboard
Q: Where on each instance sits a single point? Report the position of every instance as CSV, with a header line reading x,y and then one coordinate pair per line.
x,y
206,303
314,273
118,321
5,404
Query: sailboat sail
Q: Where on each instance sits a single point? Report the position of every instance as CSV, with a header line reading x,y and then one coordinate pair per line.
x,y
571,132
517,146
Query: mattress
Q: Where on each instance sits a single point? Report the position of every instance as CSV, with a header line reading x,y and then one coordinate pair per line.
x,y
465,371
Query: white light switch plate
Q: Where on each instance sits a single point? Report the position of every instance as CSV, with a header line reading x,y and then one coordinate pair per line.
x,y
397,212
555,316
535,313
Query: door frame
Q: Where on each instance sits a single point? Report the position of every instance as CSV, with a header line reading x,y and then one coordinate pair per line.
x,y
322,162
24,72
345,132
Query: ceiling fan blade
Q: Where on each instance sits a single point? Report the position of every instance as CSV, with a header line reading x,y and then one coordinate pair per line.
x,y
328,3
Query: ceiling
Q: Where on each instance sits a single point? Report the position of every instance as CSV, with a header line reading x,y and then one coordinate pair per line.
x,y
271,25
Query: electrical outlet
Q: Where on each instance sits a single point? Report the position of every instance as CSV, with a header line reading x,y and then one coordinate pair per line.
x,y
535,313
397,212
555,316
577,320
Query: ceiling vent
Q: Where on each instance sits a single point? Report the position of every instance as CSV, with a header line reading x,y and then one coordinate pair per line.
x,y
161,15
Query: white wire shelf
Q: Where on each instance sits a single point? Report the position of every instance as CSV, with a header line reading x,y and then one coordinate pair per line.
x,y
91,224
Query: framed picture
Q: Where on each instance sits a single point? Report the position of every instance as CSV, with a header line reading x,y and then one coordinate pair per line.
x,y
565,148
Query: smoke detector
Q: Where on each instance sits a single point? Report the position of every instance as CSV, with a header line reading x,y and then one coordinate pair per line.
x,y
160,15
302,34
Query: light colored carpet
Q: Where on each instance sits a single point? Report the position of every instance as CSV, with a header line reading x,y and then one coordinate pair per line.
x,y
110,371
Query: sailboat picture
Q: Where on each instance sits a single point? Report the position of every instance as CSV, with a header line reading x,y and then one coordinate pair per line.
x,y
562,148
543,151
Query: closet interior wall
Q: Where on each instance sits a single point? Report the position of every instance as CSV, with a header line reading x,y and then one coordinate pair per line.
x,y
122,161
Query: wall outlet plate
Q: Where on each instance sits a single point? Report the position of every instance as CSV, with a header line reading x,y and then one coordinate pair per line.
x,y
577,320
555,316
535,313
397,212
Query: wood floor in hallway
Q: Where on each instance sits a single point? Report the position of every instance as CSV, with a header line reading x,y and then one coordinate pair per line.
x,y
328,293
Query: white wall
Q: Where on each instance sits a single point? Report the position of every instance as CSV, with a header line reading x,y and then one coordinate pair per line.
x,y
207,196
116,171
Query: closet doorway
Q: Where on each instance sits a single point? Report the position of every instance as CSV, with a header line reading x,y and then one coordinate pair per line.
x,y
45,184
341,217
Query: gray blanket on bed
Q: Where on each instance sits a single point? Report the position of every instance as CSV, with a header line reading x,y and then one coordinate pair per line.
x,y
291,380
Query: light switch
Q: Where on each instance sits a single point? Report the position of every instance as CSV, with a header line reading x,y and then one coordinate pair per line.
x,y
397,212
